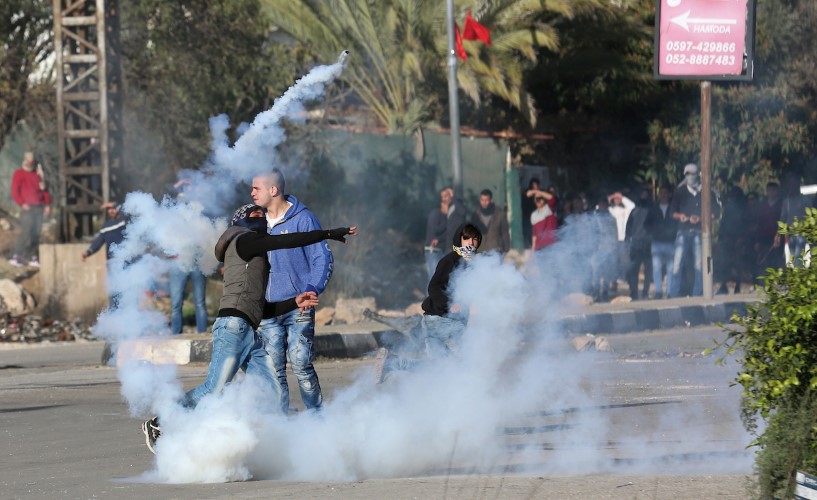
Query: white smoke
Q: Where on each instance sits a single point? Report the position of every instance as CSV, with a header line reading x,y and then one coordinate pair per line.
x,y
462,413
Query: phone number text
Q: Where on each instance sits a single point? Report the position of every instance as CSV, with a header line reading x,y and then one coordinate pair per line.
x,y
711,47
700,59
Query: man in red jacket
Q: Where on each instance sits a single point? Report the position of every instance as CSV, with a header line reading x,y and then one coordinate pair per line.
x,y
29,192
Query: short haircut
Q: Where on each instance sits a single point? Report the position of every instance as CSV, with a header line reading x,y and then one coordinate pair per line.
x,y
275,178
772,184
665,186
487,192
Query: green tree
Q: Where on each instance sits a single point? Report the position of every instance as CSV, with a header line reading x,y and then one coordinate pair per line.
x,y
400,48
25,79
186,61
776,346
759,129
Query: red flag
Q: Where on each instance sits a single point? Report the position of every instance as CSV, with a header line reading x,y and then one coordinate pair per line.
x,y
458,44
475,31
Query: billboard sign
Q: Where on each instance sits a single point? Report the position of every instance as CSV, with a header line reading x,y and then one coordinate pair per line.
x,y
704,39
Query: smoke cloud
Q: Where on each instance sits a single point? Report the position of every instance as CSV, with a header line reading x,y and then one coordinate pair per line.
x,y
513,396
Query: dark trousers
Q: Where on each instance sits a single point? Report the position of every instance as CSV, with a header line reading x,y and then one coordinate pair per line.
x,y
31,221
640,254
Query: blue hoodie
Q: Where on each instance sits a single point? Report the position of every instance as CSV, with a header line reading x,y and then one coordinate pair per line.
x,y
297,270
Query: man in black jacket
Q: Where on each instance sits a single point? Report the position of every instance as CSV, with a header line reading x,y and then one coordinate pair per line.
x,y
638,237
443,322
663,229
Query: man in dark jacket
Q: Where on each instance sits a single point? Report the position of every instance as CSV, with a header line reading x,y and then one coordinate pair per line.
x,y
493,224
686,209
436,225
443,322
638,237
111,233
243,248
663,229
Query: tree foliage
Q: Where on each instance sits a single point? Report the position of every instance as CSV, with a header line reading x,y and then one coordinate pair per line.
x,y
25,79
185,61
776,346
400,48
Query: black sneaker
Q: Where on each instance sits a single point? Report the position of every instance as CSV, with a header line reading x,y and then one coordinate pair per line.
x,y
380,364
152,432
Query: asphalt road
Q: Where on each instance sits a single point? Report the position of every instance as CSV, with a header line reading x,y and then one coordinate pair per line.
x,y
66,433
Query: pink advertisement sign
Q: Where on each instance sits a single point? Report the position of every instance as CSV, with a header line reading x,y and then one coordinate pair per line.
x,y
701,37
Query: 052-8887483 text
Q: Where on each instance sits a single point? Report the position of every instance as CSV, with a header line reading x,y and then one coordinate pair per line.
x,y
700,59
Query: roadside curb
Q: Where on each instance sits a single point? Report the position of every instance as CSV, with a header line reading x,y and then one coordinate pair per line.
x,y
355,341
659,318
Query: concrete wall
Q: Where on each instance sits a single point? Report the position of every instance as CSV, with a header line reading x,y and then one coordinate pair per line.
x,y
69,287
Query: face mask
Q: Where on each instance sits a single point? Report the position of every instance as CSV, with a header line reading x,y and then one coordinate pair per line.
x,y
467,252
692,180
242,218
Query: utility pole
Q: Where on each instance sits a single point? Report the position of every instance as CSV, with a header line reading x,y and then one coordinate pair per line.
x,y
706,189
453,102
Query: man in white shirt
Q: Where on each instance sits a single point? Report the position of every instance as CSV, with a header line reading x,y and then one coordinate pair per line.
x,y
620,208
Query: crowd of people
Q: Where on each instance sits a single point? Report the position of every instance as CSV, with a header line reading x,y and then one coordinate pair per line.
x,y
649,238
658,236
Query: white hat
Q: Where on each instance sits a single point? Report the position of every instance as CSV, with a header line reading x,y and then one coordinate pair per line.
x,y
690,168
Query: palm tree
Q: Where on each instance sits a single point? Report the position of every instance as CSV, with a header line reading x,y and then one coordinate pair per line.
x,y
400,47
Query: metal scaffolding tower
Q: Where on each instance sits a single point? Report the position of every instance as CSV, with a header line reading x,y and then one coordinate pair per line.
x,y
89,108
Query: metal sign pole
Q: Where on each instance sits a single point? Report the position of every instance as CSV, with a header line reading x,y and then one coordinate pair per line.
x,y
453,103
706,189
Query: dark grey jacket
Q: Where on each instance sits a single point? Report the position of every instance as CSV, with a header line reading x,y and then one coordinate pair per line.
x,y
244,281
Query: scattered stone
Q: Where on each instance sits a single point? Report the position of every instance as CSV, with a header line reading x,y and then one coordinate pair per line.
x,y
5,225
388,313
324,316
621,299
350,311
14,299
415,309
577,299
33,329
591,342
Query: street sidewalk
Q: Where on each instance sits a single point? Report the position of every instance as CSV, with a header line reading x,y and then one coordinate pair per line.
x,y
360,339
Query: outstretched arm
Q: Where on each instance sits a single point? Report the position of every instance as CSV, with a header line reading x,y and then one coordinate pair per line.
x,y
251,245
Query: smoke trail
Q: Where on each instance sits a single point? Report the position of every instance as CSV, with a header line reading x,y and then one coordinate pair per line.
x,y
167,233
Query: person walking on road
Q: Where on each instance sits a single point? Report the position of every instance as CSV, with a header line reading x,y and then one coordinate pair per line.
x,y
243,248
287,331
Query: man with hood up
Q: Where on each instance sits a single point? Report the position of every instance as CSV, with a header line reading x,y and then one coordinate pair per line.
x,y
686,209
442,323
243,248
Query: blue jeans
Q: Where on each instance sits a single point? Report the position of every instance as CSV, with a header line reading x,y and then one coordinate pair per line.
x,y
178,283
662,257
235,345
432,259
291,335
687,245
441,334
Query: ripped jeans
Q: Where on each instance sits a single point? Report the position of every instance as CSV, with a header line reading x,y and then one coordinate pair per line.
x,y
290,335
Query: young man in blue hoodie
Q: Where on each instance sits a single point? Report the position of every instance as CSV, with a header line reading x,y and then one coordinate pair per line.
x,y
284,329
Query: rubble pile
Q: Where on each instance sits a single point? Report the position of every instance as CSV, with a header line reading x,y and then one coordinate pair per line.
x,y
30,329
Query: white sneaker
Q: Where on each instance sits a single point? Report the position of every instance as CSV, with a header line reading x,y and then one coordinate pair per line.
x,y
34,262
15,261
